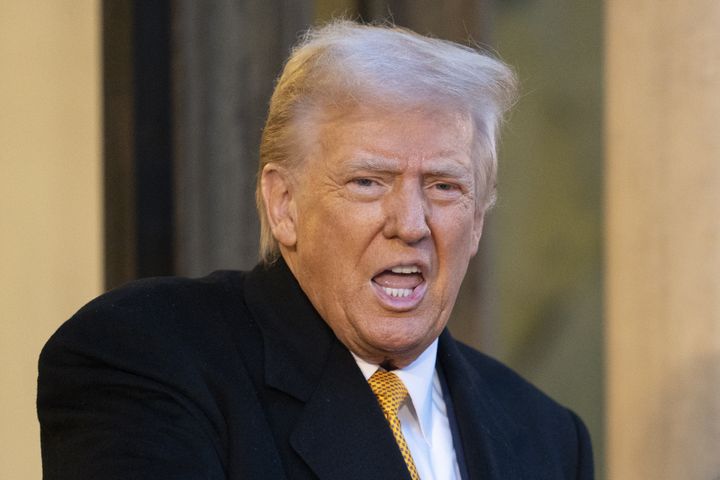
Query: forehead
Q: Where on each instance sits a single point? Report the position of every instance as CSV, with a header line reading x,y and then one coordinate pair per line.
x,y
383,135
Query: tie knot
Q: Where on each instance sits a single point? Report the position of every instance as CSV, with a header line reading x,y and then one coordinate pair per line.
x,y
389,390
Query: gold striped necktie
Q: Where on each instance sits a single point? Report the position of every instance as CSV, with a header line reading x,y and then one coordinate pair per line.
x,y
391,392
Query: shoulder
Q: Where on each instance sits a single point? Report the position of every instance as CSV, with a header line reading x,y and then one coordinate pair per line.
x,y
508,386
503,383
157,322
537,426
161,300
171,296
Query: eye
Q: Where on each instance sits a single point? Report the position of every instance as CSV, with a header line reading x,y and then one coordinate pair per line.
x,y
364,188
445,191
364,182
445,187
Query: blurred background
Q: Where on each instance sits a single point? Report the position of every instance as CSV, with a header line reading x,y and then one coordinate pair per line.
x,y
128,147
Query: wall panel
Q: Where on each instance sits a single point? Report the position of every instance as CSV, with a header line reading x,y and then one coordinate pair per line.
x,y
50,198
663,239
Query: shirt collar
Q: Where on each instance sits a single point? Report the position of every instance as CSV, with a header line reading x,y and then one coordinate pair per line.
x,y
418,379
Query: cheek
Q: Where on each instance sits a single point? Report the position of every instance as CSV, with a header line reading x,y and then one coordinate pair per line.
x,y
355,224
455,233
335,237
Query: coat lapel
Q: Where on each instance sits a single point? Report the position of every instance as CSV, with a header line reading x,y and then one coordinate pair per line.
x,y
341,431
484,425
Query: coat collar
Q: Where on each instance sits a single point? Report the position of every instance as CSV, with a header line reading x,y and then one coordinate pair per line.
x,y
297,340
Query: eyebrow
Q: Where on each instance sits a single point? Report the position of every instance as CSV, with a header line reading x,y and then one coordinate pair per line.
x,y
448,168
376,164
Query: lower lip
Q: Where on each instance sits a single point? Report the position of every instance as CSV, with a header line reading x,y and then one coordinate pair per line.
x,y
401,303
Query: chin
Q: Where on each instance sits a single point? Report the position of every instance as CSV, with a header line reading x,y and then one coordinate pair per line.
x,y
398,343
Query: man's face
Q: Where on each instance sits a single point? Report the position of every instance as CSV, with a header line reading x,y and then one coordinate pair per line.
x,y
385,225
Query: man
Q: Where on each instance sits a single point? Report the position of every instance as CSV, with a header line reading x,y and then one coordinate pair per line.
x,y
330,359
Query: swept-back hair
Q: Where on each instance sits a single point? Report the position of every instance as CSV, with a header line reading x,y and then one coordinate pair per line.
x,y
344,64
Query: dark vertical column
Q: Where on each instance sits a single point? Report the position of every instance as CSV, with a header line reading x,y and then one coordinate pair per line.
x,y
137,140
118,142
227,54
153,147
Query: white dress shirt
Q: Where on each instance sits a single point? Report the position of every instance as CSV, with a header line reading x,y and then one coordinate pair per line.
x,y
423,417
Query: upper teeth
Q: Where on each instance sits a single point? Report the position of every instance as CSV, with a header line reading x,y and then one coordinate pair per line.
x,y
410,269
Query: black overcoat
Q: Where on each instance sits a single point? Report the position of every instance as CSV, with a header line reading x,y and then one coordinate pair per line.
x,y
235,376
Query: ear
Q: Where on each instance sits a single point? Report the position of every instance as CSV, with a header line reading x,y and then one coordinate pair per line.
x,y
477,231
277,192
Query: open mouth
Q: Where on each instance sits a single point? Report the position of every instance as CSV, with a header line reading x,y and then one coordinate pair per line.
x,y
400,281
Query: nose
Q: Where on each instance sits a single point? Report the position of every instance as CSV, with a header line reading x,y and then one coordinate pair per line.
x,y
406,214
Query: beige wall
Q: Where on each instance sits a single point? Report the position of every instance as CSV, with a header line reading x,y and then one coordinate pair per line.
x,y
663,239
50,197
